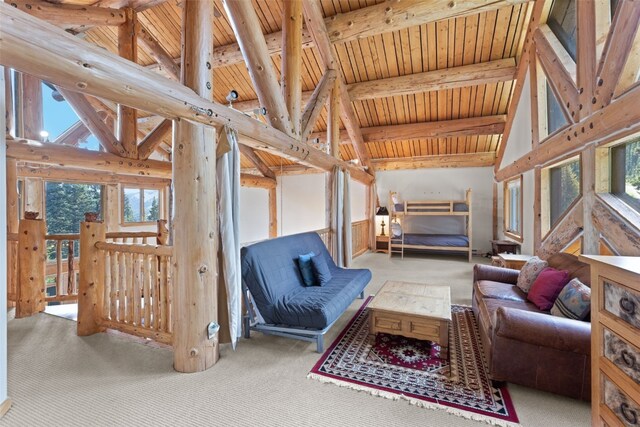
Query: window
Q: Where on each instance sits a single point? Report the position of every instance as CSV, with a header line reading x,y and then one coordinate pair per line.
x,y
564,188
140,205
67,203
625,172
513,208
562,21
555,116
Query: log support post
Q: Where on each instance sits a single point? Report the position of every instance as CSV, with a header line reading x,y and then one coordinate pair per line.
x,y
590,234
92,273
13,223
292,61
163,232
196,235
111,208
127,116
273,212
333,146
31,266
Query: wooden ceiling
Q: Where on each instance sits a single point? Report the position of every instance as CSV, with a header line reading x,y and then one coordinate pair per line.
x,y
472,39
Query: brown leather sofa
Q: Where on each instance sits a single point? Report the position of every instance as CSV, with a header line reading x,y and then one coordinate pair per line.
x,y
527,346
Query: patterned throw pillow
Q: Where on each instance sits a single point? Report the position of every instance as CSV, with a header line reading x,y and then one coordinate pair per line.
x,y
574,301
530,272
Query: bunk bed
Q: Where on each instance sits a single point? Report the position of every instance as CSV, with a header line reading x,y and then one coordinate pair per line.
x,y
400,212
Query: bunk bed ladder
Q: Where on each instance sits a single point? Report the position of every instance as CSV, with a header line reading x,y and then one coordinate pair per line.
x,y
396,250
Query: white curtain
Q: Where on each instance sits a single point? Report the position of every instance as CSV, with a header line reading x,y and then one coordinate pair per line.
x,y
228,183
341,217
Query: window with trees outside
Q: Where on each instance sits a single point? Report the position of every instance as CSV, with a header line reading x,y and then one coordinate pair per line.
x,y
564,188
625,173
513,208
140,205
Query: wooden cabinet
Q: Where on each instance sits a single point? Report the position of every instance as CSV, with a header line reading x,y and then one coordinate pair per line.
x,y
382,244
615,340
514,261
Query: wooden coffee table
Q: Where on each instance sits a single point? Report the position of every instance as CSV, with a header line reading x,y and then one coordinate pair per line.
x,y
413,310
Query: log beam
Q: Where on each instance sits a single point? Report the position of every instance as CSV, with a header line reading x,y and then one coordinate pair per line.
x,y
93,121
563,233
251,155
157,52
68,174
72,63
445,161
153,139
255,181
273,212
291,75
586,47
74,134
127,117
316,103
615,228
67,156
195,238
70,15
31,103
499,70
246,27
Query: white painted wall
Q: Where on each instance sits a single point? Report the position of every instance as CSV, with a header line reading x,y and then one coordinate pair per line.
x,y
519,144
358,201
444,184
3,245
254,214
301,203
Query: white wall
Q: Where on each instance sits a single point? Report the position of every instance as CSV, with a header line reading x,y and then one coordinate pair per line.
x,y
358,201
444,184
3,245
301,203
254,214
519,144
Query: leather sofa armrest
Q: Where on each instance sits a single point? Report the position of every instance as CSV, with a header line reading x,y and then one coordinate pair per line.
x,y
543,330
495,274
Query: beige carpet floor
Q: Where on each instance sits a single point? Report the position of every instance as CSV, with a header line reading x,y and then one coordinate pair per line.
x,y
59,379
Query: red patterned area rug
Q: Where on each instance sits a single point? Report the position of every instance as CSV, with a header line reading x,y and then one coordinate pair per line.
x,y
403,368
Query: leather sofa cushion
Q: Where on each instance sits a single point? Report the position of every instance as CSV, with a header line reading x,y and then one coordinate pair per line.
x,y
576,268
487,308
498,290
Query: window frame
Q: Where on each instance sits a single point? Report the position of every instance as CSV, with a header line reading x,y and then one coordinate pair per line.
x,y
546,225
516,235
160,189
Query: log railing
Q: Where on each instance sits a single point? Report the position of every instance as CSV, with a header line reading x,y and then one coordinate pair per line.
x,y
137,289
61,273
325,235
144,237
359,237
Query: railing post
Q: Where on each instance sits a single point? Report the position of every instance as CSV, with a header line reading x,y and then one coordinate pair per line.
x,y
92,271
163,232
32,253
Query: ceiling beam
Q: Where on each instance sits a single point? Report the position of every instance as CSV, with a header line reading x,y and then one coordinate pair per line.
x,y
70,15
73,63
255,181
157,52
73,134
154,138
246,27
93,121
316,102
291,61
449,78
47,153
485,125
57,173
318,30
127,124
440,161
253,157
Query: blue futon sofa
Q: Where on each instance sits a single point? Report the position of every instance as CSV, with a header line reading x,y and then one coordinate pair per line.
x,y
285,306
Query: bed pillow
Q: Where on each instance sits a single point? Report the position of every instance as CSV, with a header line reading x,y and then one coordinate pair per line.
x,y
396,229
320,270
529,273
394,198
306,269
547,287
574,301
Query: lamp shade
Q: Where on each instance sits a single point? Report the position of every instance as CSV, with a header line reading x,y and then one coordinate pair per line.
x,y
382,211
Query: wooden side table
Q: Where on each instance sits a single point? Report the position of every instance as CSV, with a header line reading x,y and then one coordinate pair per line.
x,y
514,261
500,246
382,244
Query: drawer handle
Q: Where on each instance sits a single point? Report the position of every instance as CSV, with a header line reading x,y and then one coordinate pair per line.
x,y
629,414
628,306
628,358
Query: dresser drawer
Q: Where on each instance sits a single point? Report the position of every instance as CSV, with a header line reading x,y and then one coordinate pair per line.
x,y
621,302
622,354
620,404
425,330
382,323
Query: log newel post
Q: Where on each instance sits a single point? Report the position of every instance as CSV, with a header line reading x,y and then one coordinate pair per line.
x,y
31,265
92,273
163,232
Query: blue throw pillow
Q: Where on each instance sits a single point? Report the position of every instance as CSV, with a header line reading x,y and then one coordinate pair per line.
x,y
320,270
304,264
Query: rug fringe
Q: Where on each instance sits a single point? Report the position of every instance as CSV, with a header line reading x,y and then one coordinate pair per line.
x,y
421,403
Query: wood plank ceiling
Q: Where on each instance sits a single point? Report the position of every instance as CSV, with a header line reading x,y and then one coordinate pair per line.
x,y
473,39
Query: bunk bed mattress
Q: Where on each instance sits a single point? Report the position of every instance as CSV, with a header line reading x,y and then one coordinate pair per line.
x,y
448,240
457,207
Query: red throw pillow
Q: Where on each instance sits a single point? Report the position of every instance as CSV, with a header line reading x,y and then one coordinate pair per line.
x,y
547,287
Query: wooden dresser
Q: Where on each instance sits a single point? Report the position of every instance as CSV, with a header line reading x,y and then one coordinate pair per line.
x,y
615,340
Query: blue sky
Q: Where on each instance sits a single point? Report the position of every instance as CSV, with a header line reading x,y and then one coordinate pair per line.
x,y
58,117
